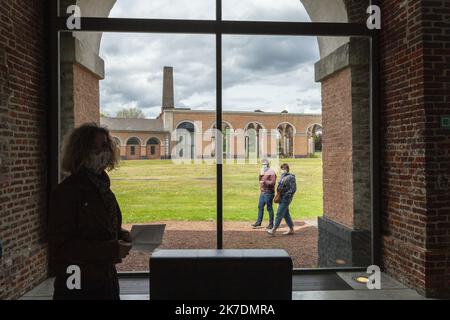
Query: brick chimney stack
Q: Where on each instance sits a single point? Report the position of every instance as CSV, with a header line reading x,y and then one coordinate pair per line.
x,y
168,95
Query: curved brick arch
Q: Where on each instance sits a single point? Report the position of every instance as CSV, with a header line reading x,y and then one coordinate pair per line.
x,y
133,151
196,128
180,143
153,148
91,40
254,122
309,136
287,123
287,139
117,139
133,137
312,125
228,123
154,139
345,11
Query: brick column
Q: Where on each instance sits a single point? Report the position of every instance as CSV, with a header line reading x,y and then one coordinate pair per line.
x,y
81,71
416,149
344,230
168,100
23,145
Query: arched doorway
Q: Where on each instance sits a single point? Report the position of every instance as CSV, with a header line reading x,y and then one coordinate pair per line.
x,y
153,148
286,140
133,150
252,140
314,136
118,144
185,140
227,145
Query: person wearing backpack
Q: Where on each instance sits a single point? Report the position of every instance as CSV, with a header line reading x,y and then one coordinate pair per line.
x,y
287,186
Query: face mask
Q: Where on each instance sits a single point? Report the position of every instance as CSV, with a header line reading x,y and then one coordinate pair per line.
x,y
283,171
99,162
265,167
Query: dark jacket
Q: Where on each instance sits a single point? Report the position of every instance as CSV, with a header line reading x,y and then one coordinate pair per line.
x,y
81,233
287,185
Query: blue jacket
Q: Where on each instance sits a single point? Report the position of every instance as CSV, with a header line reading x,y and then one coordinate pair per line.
x,y
287,184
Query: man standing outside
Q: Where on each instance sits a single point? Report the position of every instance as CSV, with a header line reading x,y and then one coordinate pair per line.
x,y
267,179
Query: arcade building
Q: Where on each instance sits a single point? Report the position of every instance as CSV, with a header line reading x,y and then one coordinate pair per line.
x,y
153,139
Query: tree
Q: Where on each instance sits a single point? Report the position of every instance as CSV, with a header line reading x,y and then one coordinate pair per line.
x,y
131,113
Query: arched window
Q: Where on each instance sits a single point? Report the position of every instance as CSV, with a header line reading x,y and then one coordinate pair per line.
x,y
133,142
226,139
286,141
189,126
152,141
252,134
314,136
153,148
186,140
116,141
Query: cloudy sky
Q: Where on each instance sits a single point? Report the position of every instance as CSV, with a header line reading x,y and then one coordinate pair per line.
x,y
266,73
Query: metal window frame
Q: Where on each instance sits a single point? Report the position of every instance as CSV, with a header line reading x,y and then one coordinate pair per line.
x,y
219,27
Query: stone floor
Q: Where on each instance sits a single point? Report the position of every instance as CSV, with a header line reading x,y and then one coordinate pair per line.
x,y
302,246
137,288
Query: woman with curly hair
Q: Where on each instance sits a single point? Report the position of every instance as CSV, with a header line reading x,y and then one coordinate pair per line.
x,y
85,219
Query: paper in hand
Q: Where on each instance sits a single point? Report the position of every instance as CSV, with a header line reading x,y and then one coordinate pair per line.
x,y
147,237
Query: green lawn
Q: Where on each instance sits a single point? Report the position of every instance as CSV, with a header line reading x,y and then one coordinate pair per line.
x,y
156,190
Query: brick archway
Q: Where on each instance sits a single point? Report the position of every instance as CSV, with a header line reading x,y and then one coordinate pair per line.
x,y
185,139
153,148
287,139
133,148
310,134
252,140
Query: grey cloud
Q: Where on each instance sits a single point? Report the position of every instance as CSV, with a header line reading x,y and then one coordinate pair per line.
x,y
165,9
279,54
281,10
268,73
250,58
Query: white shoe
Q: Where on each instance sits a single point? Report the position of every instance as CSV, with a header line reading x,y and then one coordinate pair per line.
x,y
291,231
271,231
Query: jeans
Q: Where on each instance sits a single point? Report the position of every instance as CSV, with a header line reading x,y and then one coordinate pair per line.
x,y
265,199
283,212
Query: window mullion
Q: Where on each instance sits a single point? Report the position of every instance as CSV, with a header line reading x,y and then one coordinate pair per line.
x,y
219,154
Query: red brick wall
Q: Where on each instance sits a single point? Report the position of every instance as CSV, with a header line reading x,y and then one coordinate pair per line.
x,y
123,136
337,147
436,28
268,121
23,106
86,96
415,91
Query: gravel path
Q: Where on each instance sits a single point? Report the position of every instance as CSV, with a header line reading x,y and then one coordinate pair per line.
x,y
302,246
